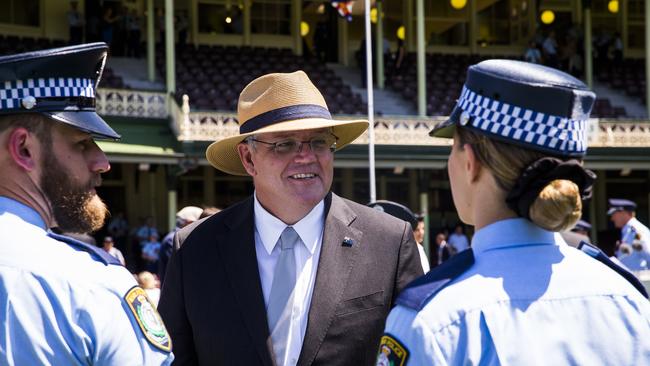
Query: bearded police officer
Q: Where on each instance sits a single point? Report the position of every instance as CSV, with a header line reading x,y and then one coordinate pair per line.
x,y
63,302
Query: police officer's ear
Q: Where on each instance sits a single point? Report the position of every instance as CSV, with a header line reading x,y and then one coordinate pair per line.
x,y
245,155
473,165
22,146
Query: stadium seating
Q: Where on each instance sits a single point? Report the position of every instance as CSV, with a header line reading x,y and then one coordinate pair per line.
x,y
213,76
446,75
628,77
14,44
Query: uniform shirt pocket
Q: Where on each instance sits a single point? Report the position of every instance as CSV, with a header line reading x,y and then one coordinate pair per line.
x,y
361,303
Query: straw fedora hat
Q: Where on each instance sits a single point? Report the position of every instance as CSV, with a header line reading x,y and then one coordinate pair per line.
x,y
279,103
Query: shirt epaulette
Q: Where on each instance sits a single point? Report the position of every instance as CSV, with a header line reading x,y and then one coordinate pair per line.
x,y
598,255
420,291
96,253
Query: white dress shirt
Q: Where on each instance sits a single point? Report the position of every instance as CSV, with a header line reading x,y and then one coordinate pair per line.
x,y
268,229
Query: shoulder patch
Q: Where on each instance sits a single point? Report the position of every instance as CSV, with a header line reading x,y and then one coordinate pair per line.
x,y
391,352
419,291
148,318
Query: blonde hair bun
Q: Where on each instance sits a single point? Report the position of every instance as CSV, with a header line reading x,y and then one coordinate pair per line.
x,y
558,206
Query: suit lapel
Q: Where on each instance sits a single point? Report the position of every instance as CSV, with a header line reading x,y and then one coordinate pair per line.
x,y
240,259
336,262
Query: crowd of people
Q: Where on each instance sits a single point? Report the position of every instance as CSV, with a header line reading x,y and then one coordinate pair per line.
x,y
121,27
567,52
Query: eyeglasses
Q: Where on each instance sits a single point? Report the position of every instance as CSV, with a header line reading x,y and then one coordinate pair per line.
x,y
318,145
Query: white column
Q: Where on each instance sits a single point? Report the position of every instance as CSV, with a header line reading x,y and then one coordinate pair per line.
x,y
170,46
421,57
296,10
647,56
473,25
151,42
247,22
380,46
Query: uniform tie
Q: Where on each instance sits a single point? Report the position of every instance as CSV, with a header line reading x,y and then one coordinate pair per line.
x,y
284,277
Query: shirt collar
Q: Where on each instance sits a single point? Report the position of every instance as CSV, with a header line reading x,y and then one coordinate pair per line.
x,y
269,227
26,213
510,233
631,222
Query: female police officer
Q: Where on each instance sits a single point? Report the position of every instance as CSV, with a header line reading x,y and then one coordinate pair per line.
x,y
520,295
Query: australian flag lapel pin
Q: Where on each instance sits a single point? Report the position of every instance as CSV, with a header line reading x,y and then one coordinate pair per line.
x,y
347,242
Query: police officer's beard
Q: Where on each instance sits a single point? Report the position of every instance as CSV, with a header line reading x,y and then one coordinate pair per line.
x,y
75,207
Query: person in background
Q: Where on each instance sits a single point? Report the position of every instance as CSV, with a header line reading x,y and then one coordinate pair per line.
x,y
145,231
520,295
209,211
638,259
148,282
64,302
458,240
419,233
443,250
622,213
109,247
118,228
184,217
532,54
151,253
550,48
579,233
75,24
417,223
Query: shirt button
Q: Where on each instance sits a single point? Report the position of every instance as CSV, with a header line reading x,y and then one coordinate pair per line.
x,y
294,360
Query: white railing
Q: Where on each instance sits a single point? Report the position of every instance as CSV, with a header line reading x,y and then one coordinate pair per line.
x,y
214,126
402,130
131,103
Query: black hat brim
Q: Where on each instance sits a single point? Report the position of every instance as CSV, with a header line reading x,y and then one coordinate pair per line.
x,y
447,128
87,121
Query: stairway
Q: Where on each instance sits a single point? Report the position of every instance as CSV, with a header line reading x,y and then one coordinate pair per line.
x,y
386,102
633,107
134,73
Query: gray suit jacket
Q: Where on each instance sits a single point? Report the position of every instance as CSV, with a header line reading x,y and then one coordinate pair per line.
x,y
212,301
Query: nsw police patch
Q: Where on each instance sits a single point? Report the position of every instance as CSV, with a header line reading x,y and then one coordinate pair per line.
x,y
148,319
391,352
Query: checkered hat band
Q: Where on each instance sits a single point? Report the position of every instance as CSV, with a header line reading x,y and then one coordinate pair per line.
x,y
12,92
563,135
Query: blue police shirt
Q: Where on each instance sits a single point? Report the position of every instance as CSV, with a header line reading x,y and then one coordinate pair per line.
x,y
60,305
529,298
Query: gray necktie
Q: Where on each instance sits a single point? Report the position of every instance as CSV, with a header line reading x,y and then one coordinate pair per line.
x,y
284,277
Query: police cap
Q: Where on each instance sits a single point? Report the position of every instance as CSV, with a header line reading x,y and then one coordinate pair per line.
x,y
59,83
395,209
582,225
529,105
619,204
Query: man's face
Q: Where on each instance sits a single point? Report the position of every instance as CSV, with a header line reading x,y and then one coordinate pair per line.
x,y
300,179
419,232
71,169
620,218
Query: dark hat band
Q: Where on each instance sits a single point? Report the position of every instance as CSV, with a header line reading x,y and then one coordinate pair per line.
x,y
21,95
564,136
289,113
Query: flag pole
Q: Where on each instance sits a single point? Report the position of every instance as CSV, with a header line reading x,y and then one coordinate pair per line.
x,y
371,111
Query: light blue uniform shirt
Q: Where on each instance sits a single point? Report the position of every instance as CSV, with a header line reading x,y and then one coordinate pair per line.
x,y
529,299
59,306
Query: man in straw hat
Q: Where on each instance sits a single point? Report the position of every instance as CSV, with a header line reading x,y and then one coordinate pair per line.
x,y
64,302
298,275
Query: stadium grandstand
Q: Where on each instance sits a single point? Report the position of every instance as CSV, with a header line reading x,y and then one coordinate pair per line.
x,y
176,69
